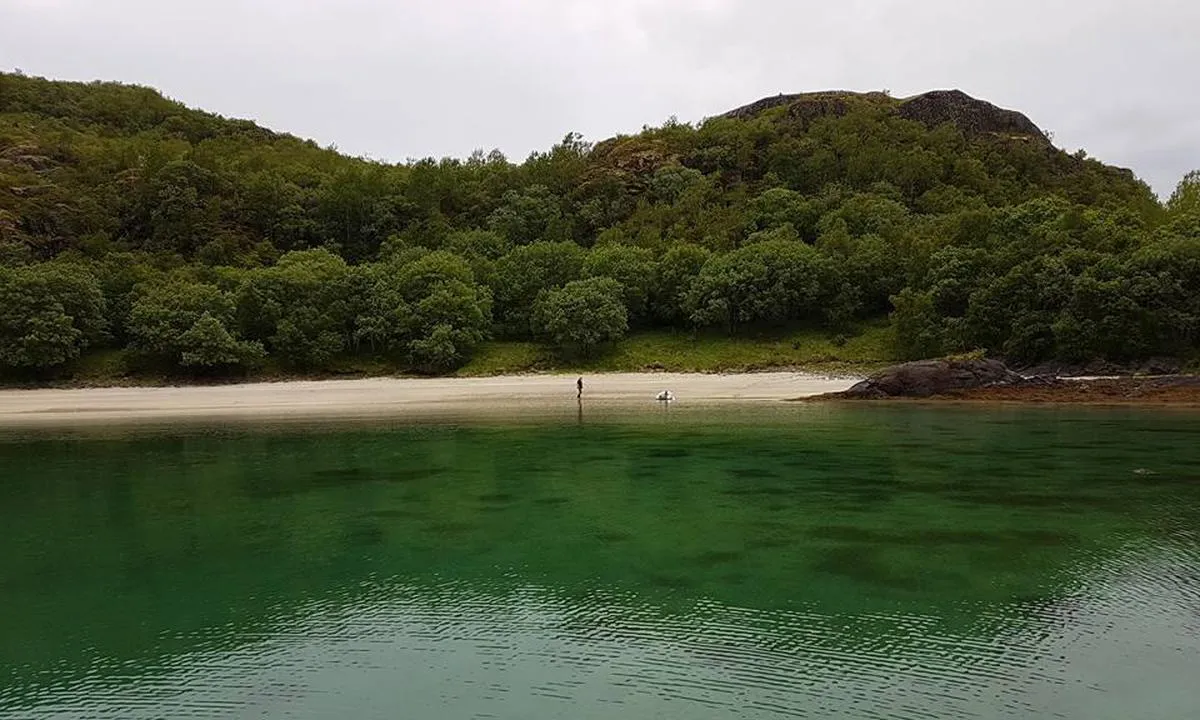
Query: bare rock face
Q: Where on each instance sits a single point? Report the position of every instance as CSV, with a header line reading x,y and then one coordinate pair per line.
x,y
932,377
972,116
747,112
807,107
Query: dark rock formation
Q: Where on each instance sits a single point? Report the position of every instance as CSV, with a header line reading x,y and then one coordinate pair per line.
x,y
808,110
808,106
974,117
1172,390
991,381
754,109
1160,366
1155,366
932,377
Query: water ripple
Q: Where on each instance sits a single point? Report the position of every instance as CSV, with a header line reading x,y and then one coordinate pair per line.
x,y
896,565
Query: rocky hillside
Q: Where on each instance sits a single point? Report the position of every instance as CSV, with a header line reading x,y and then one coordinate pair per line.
x,y
972,116
131,222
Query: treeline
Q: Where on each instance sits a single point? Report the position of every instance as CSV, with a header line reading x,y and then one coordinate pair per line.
x,y
202,244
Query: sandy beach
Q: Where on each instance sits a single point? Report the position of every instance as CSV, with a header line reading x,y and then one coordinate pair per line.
x,y
500,396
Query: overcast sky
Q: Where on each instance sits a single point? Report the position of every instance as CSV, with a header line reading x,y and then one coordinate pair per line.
x,y
412,78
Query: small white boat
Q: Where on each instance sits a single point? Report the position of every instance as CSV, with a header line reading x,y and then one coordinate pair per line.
x,y
665,396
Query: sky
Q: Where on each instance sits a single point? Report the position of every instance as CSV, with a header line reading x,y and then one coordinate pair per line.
x,y
401,79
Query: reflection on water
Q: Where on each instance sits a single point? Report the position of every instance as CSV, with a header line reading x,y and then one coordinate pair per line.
x,y
802,562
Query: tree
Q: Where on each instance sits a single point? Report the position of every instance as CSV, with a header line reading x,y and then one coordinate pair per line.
x,y
477,244
49,314
672,181
818,212
120,274
448,323
1186,198
186,324
633,267
387,317
775,282
523,274
208,344
420,277
955,273
177,209
1014,314
481,249
582,315
869,214
303,309
528,217
438,351
780,206
38,338
358,207
920,330
779,233
674,274
430,311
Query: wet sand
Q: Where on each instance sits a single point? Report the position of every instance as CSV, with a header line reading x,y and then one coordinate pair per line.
x,y
381,397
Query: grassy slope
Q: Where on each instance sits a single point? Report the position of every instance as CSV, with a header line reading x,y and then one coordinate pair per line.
x,y
685,352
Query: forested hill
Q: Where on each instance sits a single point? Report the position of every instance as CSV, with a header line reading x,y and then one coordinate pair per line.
x,y
206,245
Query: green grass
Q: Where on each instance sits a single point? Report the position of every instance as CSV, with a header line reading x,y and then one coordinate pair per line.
x,y
507,358
867,349
99,366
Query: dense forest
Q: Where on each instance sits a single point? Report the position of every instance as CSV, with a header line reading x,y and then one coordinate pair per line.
x,y
199,245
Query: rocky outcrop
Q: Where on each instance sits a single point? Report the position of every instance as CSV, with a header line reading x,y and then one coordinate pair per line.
x,y
973,116
992,381
809,106
1155,366
1183,390
754,109
926,378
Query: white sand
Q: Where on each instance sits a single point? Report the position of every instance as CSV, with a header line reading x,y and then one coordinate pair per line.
x,y
514,395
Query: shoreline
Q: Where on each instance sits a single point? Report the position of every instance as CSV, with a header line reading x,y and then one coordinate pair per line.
x,y
1163,391
526,396
504,396
1167,391
856,371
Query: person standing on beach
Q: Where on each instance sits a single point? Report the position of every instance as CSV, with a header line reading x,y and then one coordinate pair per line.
x,y
579,388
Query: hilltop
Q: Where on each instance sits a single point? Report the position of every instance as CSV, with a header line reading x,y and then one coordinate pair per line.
x,y
186,242
973,117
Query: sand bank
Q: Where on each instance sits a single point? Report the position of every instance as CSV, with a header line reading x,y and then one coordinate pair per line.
x,y
396,396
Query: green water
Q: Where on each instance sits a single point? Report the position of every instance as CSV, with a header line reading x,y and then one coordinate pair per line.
x,y
798,562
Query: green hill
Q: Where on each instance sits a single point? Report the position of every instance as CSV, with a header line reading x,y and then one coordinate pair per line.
x,y
190,243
